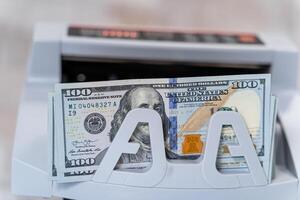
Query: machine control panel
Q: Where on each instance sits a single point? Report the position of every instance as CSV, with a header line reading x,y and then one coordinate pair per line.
x,y
174,36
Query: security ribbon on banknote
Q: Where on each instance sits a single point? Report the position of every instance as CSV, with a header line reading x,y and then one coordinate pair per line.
x,y
87,117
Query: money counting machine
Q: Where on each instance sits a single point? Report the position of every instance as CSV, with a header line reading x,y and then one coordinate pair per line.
x,y
63,53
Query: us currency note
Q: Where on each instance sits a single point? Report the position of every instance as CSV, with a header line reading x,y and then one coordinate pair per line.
x,y
88,115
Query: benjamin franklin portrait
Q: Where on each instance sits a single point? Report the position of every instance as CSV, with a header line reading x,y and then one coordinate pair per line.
x,y
140,97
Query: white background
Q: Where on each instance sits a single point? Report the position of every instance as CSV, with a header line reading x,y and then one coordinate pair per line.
x,y
17,18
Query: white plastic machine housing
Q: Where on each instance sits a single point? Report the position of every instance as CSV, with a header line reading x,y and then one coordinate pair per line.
x,y
51,42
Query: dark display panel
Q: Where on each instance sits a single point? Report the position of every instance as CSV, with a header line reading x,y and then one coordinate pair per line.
x,y
194,37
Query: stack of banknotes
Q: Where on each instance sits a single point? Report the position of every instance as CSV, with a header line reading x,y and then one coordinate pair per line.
x,y
84,118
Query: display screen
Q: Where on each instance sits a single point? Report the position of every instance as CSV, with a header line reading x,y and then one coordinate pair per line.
x,y
192,37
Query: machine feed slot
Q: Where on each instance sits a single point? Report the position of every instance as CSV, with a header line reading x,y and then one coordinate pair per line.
x,y
82,69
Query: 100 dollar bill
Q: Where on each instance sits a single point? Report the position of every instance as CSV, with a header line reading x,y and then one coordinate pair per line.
x,y
88,115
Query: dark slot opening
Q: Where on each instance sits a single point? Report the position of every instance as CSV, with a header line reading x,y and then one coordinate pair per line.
x,y
87,69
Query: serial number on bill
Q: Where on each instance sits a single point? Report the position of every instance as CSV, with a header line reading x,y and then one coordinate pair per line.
x,y
105,104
